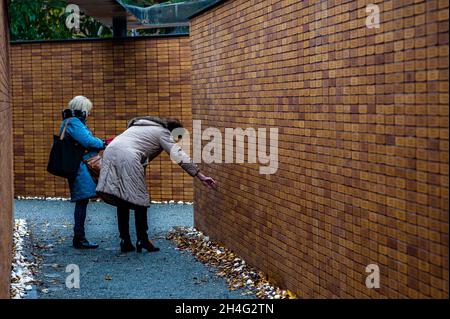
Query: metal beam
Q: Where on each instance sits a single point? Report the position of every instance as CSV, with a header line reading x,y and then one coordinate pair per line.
x,y
120,27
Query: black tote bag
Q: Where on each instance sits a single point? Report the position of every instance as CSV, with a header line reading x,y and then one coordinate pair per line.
x,y
65,156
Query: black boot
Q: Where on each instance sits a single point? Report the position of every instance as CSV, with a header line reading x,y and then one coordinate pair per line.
x,y
126,245
141,230
83,243
123,217
146,244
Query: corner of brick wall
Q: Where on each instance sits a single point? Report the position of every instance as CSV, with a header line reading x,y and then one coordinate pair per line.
x,y
123,79
6,174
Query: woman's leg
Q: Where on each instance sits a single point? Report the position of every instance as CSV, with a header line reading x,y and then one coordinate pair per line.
x,y
140,216
123,221
79,238
80,218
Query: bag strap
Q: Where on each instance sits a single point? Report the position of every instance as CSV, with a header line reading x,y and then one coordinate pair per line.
x,y
64,130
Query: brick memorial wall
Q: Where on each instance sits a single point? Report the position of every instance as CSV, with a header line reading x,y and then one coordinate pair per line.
x,y
363,142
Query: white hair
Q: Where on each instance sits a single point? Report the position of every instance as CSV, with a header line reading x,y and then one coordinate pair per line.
x,y
80,103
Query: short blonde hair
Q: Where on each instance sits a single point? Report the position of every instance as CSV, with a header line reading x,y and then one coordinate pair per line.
x,y
80,103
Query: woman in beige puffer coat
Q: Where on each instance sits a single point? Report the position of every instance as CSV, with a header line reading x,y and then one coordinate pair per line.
x,y
122,177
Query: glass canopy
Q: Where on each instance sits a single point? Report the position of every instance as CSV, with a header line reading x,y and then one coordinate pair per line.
x,y
166,14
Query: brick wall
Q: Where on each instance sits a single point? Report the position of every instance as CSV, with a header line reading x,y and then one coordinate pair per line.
x,y
6,185
363,145
123,79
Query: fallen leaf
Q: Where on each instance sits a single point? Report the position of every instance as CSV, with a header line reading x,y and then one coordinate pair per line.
x,y
228,265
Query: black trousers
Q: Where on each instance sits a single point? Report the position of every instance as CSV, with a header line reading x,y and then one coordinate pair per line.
x,y
80,217
140,217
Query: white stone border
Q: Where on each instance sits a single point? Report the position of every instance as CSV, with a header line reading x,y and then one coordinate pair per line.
x,y
22,268
180,202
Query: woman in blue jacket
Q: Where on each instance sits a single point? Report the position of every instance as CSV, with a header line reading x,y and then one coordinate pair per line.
x,y
82,188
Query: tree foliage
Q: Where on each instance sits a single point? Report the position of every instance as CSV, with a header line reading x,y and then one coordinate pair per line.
x,y
45,20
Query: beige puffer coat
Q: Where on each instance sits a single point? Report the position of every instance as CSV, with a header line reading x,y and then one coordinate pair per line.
x,y
124,160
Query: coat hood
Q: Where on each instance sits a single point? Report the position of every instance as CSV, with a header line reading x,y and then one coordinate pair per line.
x,y
147,121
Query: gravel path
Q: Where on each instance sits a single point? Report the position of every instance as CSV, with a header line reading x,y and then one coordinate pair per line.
x,y
105,272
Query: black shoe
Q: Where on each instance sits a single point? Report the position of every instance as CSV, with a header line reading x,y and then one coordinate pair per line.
x,y
146,244
83,243
126,246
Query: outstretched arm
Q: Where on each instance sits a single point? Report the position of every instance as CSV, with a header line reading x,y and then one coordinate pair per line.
x,y
173,149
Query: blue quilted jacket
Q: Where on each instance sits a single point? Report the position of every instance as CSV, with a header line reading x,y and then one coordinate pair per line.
x,y
83,186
